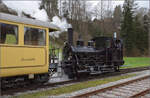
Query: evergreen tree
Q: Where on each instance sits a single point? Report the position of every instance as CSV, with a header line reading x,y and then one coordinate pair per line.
x,y
127,28
146,20
141,36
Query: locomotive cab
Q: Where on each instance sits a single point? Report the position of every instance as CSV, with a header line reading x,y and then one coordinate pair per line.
x,y
102,42
113,49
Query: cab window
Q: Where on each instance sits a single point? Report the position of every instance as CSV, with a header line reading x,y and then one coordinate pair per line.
x,y
8,34
34,36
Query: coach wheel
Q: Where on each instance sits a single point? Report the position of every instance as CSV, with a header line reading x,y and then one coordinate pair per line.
x,y
43,78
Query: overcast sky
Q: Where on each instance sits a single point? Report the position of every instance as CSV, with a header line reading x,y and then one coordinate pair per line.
x,y
31,7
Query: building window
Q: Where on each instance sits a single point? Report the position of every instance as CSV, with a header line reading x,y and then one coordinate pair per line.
x,y
8,34
34,36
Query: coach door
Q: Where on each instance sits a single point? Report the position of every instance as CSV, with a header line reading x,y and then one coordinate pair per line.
x,y
8,38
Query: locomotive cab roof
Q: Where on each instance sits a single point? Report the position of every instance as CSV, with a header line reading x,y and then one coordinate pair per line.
x,y
28,21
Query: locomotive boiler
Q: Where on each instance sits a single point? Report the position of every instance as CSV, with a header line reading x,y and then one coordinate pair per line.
x,y
102,54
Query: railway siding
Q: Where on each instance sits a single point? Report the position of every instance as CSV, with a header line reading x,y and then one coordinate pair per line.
x,y
89,91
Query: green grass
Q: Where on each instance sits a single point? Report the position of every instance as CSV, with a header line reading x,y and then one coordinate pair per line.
x,y
10,39
74,87
132,62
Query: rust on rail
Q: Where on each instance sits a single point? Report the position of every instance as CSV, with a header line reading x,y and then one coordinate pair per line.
x,y
141,93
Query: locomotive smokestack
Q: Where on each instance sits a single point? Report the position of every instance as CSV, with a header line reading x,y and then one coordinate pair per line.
x,y
70,36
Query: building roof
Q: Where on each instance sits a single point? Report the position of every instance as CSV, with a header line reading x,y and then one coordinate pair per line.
x,y
29,21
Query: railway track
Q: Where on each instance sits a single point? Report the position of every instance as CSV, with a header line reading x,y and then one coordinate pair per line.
x,y
12,91
135,88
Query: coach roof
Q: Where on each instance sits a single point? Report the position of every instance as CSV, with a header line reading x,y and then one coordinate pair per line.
x,y
29,21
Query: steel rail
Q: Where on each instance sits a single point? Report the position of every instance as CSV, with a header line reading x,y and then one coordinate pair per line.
x,y
86,95
142,93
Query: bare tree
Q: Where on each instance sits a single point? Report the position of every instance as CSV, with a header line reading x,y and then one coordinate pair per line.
x,y
51,7
100,14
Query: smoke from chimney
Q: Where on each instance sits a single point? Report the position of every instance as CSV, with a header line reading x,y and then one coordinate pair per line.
x,y
62,24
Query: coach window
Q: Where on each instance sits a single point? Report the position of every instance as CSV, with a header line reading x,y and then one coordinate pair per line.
x,y
34,36
8,34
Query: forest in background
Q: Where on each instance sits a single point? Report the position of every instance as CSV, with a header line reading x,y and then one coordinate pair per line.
x,y
130,21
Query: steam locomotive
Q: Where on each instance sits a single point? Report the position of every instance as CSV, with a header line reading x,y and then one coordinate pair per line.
x,y
102,54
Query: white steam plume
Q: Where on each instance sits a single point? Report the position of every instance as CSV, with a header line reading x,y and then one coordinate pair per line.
x,y
61,23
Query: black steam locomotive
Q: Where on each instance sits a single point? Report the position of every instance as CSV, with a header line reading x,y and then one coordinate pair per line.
x,y
102,54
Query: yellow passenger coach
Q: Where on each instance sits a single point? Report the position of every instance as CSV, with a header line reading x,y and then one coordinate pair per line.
x,y
24,48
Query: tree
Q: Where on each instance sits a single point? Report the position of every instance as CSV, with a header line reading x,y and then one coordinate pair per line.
x,y
141,34
75,12
117,18
5,9
100,14
127,28
147,29
51,7
95,27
